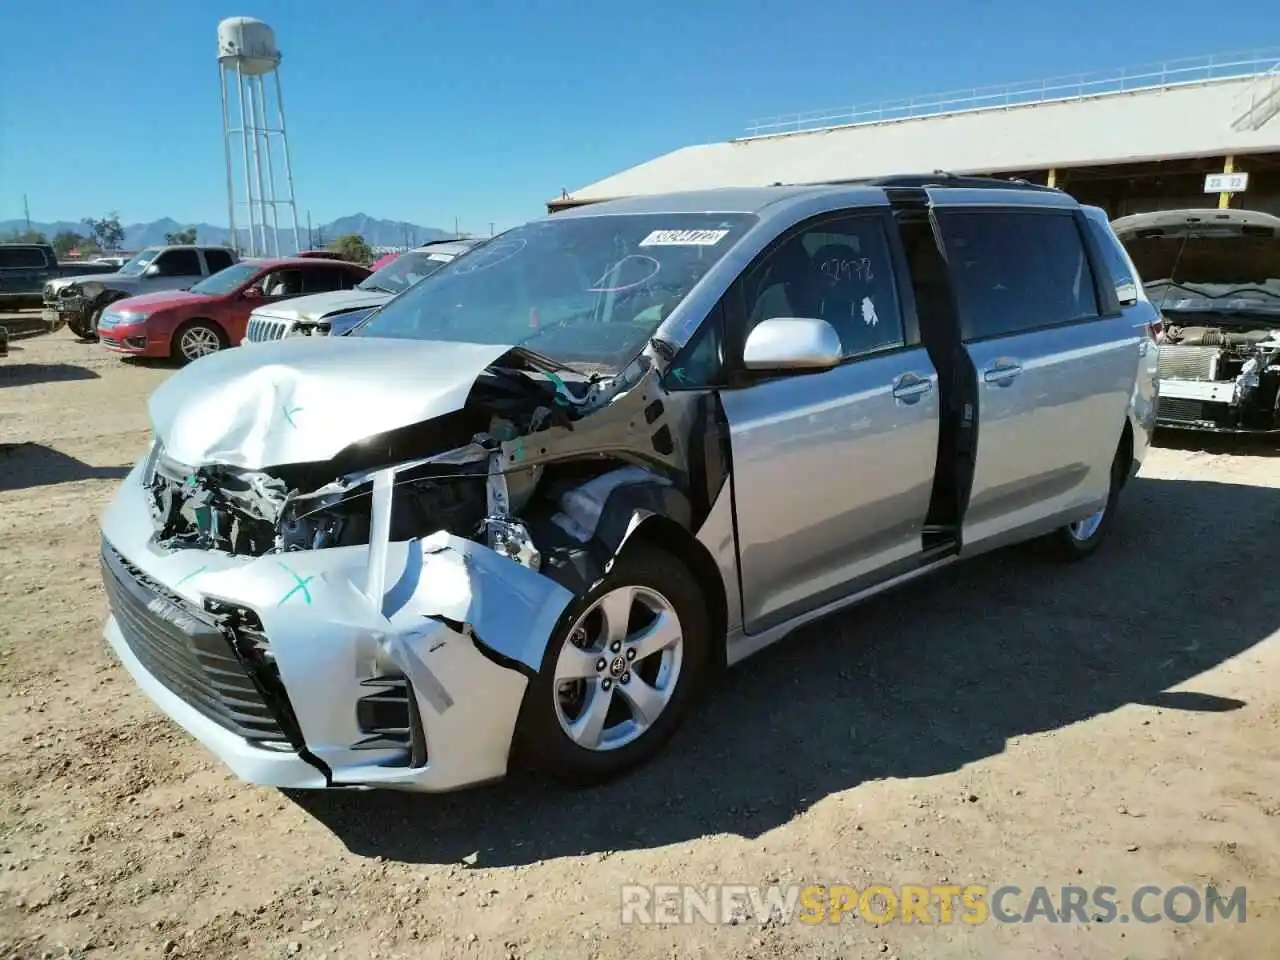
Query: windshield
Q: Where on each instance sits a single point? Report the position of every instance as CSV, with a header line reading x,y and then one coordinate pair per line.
x,y
404,271
140,261
227,280
584,291
1205,269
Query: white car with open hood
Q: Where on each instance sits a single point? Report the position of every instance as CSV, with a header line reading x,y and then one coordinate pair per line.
x,y
335,313
523,511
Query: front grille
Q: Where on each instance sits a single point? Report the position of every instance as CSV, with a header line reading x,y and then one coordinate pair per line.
x,y
1180,410
266,328
1187,363
186,651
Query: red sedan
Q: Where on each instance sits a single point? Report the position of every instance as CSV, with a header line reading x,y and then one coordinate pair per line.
x,y
213,314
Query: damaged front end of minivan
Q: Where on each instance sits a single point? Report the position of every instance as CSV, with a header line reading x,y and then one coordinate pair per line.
x,y
1215,275
341,564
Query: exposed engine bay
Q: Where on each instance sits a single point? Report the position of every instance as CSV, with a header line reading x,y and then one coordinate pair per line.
x,y
546,466
1218,377
1215,276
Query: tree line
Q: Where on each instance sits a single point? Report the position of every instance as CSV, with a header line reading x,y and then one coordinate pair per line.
x,y
106,235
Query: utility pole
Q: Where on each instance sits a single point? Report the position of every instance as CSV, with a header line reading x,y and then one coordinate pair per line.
x,y
491,228
310,243
26,212
456,234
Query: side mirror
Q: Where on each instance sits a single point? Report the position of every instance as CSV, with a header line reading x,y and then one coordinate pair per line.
x,y
152,270
252,293
792,343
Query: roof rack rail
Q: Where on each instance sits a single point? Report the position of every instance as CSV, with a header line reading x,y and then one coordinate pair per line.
x,y
942,178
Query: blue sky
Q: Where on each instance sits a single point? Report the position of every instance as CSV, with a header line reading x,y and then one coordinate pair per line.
x,y
482,110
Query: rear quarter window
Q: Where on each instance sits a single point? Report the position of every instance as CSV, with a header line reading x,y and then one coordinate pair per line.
x,y
1119,273
217,260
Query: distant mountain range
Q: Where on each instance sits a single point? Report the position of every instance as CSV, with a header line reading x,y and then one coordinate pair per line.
x,y
376,233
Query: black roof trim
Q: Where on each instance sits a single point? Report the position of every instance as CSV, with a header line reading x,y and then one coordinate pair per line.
x,y
941,178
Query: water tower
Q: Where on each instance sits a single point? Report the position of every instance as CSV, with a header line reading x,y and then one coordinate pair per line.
x,y
247,54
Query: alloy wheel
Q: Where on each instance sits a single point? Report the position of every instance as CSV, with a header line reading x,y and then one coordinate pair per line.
x,y
199,342
617,671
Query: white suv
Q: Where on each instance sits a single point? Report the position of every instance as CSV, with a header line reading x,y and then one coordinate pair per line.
x,y
333,314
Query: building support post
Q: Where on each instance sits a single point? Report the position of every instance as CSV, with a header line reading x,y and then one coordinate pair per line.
x,y
1224,198
1052,178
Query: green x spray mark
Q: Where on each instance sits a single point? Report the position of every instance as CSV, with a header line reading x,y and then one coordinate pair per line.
x,y
288,412
299,585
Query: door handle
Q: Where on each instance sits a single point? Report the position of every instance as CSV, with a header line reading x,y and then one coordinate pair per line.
x,y
911,388
1003,372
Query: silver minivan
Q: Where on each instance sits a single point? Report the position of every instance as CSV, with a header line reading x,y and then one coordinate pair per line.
x,y
526,510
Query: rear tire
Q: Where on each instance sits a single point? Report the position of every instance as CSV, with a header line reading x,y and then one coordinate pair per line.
x,y
1080,540
197,339
637,680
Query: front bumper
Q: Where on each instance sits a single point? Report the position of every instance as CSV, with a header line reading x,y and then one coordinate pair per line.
x,y
130,339
441,631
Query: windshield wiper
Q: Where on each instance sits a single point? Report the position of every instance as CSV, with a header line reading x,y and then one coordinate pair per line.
x,y
544,363
374,288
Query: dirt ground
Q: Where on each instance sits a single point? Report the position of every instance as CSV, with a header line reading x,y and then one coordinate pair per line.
x,y
1007,722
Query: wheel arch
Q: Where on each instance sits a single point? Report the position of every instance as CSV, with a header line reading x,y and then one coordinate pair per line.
x,y
667,534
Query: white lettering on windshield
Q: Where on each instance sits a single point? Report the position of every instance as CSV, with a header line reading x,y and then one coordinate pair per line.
x,y
684,238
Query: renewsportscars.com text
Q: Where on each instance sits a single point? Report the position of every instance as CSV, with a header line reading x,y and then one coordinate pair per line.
x,y
936,904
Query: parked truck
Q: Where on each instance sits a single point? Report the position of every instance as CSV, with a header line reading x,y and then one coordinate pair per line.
x,y
25,269
79,301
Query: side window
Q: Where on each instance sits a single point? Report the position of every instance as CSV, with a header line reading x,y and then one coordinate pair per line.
x,y
282,283
839,270
1120,274
21,258
217,260
1017,270
322,279
178,263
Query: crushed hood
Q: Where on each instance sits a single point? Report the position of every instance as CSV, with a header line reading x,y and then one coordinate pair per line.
x,y
316,307
114,278
305,400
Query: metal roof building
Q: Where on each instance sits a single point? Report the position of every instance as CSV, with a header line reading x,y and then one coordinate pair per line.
x,y
1125,140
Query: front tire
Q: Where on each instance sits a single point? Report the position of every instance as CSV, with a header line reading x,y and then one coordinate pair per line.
x,y
620,672
197,339
85,325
